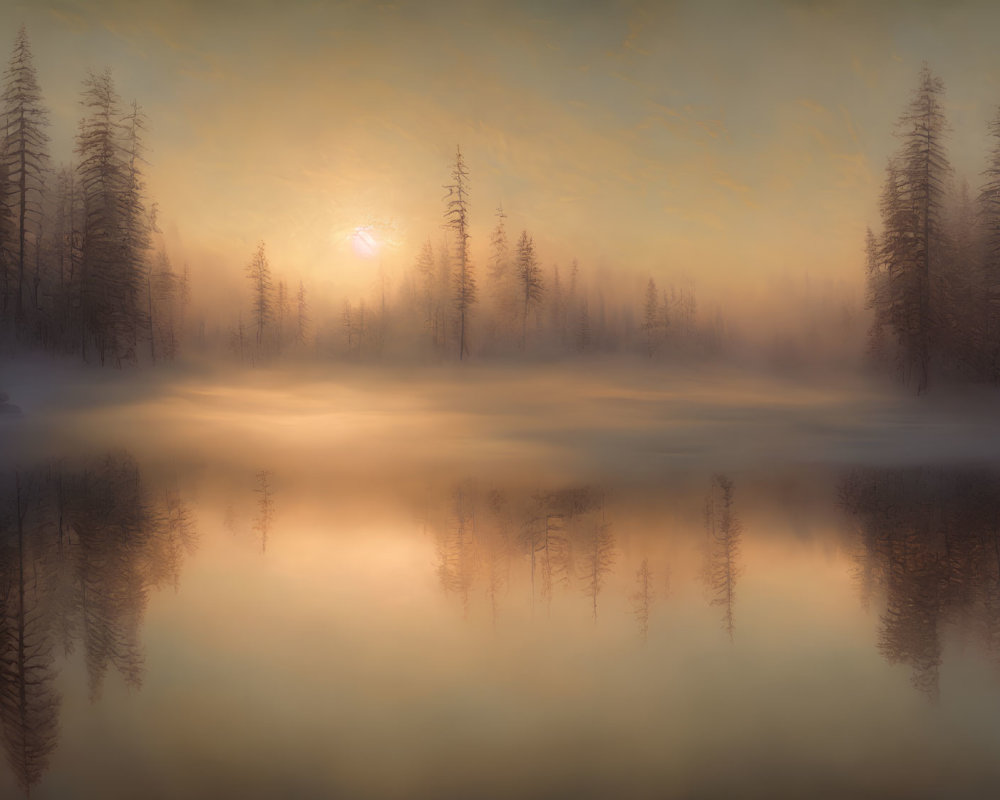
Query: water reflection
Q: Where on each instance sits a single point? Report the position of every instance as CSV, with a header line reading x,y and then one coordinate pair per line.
x,y
265,507
930,545
507,614
80,548
563,538
722,549
643,598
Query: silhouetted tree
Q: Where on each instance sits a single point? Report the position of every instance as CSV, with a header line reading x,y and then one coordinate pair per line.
x,y
913,248
503,283
457,216
989,210
529,278
25,156
107,291
262,304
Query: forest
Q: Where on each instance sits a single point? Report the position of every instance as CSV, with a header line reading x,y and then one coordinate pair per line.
x,y
85,273
933,273
450,400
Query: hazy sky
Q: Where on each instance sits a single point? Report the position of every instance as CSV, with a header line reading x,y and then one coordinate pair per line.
x,y
729,141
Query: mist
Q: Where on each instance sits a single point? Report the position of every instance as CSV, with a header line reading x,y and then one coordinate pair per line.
x,y
449,401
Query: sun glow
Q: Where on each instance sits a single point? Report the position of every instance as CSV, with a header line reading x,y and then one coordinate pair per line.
x,y
364,242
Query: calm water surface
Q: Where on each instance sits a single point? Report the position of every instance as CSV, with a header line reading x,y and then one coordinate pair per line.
x,y
572,583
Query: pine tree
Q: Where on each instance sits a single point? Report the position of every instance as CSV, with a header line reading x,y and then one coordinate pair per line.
x,y
457,216
989,210
913,245
529,278
259,274
107,292
25,156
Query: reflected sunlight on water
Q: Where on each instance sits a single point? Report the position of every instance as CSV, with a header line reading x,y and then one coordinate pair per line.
x,y
368,597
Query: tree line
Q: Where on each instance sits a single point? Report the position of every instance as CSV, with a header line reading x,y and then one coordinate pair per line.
x,y
77,267
83,271
441,308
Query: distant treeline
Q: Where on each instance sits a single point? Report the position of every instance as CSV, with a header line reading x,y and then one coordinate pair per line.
x,y
446,307
83,273
934,271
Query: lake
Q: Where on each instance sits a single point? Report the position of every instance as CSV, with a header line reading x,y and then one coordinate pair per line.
x,y
587,580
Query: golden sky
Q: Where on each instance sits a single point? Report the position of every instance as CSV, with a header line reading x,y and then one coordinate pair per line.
x,y
723,142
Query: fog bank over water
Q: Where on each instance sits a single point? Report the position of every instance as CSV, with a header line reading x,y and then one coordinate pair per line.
x,y
581,420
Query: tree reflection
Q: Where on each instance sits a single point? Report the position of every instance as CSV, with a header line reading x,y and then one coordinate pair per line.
x,y
929,544
265,507
457,559
724,533
29,705
561,535
643,598
79,551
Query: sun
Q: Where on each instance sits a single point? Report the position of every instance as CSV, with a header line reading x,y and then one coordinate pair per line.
x,y
364,242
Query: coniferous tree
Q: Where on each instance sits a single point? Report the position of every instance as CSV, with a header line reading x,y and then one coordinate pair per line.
x,y
913,246
529,279
503,281
25,159
457,216
989,210
108,288
258,272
